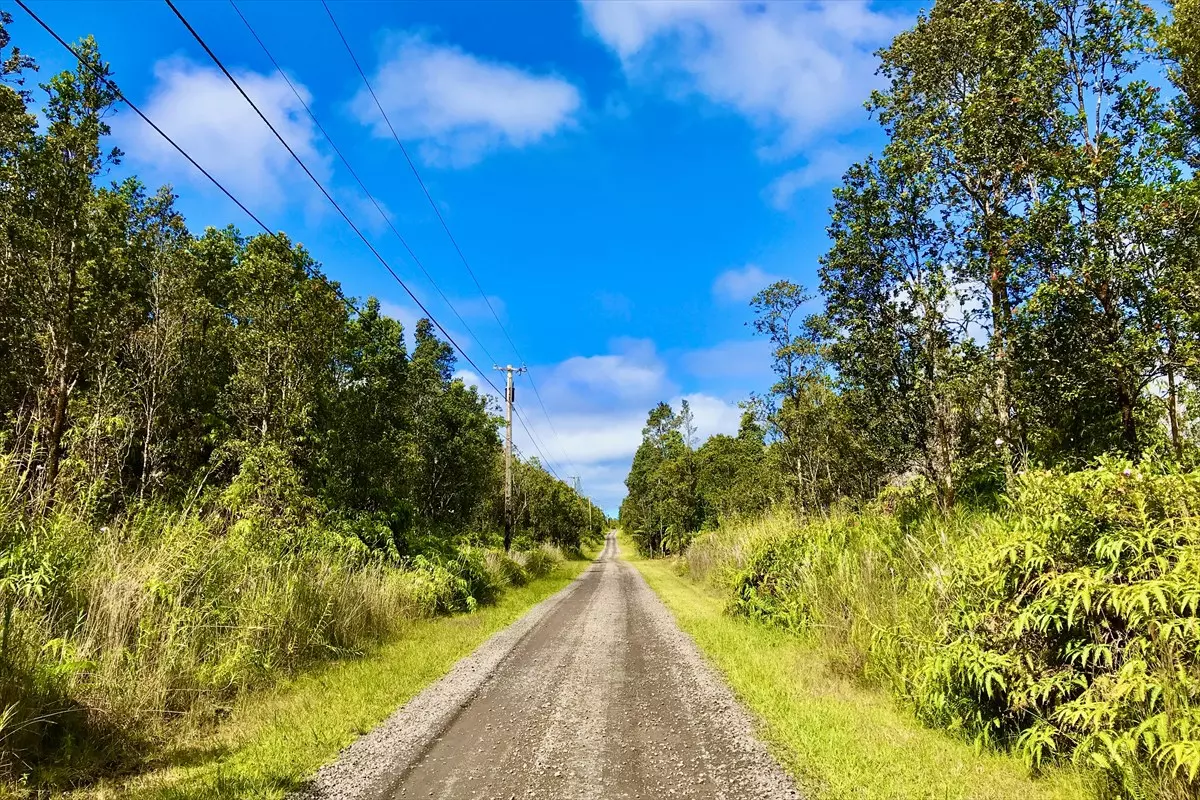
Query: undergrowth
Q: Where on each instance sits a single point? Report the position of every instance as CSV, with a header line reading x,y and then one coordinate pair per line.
x,y
1064,626
111,634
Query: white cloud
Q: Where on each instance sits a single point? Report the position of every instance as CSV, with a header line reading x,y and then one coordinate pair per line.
x,y
470,379
740,284
406,313
598,436
632,375
795,69
712,415
598,404
202,111
823,165
461,107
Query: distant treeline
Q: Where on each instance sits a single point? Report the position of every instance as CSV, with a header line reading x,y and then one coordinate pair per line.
x,y
1014,281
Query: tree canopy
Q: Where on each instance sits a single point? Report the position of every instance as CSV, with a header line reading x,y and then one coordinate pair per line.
x,y
144,363
1012,281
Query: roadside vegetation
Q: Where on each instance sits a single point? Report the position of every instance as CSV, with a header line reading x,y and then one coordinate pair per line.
x,y
216,470
274,740
840,738
974,482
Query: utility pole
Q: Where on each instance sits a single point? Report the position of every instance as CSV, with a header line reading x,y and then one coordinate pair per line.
x,y
509,395
588,500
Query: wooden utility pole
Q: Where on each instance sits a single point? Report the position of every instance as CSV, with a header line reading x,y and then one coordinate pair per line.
x,y
587,500
509,395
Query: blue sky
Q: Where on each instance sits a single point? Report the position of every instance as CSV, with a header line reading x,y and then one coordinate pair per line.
x,y
622,176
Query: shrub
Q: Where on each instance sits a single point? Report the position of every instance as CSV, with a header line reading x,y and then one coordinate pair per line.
x,y
505,570
540,561
110,632
1065,626
1075,630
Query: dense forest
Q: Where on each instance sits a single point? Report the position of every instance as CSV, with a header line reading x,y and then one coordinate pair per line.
x,y
974,480
1012,282
214,466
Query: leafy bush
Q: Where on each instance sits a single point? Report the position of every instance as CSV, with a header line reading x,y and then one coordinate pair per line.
x,y
1075,632
1065,626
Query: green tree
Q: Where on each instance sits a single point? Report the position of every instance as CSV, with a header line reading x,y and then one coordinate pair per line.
x,y
970,90
59,245
1094,264
1181,40
732,474
888,292
454,434
662,509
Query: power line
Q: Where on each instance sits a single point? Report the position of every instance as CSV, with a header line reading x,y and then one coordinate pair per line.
x,y
103,76
533,440
446,227
220,65
200,40
359,180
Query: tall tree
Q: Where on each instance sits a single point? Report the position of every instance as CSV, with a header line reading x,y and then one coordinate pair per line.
x,y
1110,158
61,246
969,93
889,293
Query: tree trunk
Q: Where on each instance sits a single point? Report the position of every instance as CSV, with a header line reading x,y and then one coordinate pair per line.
x,y
1125,402
1001,314
57,424
1173,401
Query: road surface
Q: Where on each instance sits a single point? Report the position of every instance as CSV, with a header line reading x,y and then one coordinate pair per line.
x,y
601,697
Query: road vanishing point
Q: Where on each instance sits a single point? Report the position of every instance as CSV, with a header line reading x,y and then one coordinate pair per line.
x,y
595,693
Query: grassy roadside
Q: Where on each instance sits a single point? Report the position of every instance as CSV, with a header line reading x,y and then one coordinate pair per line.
x,y
839,739
275,739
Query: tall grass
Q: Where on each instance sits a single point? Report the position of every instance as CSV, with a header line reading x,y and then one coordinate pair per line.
x,y
1064,626
112,632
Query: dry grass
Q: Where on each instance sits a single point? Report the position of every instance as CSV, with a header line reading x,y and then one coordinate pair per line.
x,y
117,636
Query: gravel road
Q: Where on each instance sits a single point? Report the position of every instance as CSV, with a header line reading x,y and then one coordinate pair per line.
x,y
595,693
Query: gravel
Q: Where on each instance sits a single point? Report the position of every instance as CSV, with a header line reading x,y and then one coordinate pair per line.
x,y
595,693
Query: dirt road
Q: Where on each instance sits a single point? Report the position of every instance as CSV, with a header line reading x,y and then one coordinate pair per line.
x,y
601,696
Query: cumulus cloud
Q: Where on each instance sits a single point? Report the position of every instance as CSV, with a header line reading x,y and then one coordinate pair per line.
x,y
712,415
793,69
632,375
460,107
599,404
202,111
742,283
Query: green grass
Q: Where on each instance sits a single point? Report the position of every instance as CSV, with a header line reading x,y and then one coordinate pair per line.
x,y
276,739
838,738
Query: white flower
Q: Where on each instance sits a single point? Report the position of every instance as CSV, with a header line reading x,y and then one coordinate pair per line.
x,y
999,442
